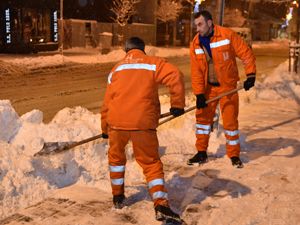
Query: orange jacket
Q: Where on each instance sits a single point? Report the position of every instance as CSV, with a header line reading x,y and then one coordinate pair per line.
x,y
131,99
225,45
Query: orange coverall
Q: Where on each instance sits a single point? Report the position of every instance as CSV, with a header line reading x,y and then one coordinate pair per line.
x,y
131,111
225,46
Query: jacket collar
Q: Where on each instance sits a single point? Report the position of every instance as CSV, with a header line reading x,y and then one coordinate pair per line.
x,y
135,52
217,32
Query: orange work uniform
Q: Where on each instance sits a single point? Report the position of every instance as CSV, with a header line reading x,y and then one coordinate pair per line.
x,y
131,111
225,46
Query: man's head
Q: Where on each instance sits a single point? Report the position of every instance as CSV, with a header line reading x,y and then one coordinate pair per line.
x,y
134,43
204,22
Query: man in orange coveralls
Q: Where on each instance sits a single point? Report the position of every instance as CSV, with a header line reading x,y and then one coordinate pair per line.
x,y
214,71
131,111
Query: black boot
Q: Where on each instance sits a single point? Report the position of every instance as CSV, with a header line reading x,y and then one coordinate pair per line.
x,y
236,162
200,157
118,201
164,213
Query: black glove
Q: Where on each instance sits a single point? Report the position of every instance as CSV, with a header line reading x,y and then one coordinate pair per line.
x,y
176,111
249,83
104,136
200,103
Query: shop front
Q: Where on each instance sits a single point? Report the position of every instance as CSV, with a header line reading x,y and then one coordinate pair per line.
x,y
28,27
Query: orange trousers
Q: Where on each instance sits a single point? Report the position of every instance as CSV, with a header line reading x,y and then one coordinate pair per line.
x,y
145,149
229,108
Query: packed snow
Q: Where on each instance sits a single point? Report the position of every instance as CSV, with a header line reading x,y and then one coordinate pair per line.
x,y
266,191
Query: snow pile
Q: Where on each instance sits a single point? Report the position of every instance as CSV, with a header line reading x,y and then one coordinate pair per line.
x,y
280,84
26,179
83,55
275,43
8,68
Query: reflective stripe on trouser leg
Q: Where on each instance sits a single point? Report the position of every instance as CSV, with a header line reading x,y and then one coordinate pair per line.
x,y
204,119
117,179
145,148
158,192
117,159
229,108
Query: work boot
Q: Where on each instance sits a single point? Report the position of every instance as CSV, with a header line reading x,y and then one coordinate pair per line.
x,y
118,201
236,162
200,157
164,213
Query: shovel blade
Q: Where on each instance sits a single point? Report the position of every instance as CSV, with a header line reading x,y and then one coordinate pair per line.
x,y
53,147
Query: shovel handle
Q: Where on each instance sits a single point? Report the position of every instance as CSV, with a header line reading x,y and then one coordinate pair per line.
x,y
83,141
163,115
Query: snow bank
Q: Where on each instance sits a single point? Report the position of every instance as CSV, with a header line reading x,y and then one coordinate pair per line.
x,y
26,179
85,56
280,84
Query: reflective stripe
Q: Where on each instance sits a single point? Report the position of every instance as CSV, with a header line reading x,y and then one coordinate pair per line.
x,y
116,168
159,194
155,182
233,142
109,78
199,51
202,131
118,181
205,127
219,43
144,66
232,133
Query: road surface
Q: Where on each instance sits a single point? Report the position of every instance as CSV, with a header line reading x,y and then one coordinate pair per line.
x,y
54,88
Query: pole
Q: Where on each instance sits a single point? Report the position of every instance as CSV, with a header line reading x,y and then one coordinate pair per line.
x,y
191,24
221,10
61,27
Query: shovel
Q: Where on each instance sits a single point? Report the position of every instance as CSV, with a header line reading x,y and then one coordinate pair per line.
x,y
207,101
50,148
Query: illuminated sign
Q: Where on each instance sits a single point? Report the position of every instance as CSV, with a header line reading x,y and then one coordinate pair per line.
x,y
55,26
7,26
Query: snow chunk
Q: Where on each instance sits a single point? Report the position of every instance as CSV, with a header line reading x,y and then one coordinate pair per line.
x,y
9,121
35,116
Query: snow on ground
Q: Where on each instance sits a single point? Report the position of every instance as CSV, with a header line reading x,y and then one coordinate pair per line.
x,y
275,43
74,188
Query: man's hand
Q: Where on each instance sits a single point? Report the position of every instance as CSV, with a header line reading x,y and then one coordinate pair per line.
x,y
104,136
201,101
176,111
249,83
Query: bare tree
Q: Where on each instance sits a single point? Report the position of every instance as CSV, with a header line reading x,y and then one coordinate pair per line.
x,y
123,9
167,11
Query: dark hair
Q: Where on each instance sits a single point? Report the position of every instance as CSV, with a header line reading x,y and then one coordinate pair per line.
x,y
206,14
134,43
